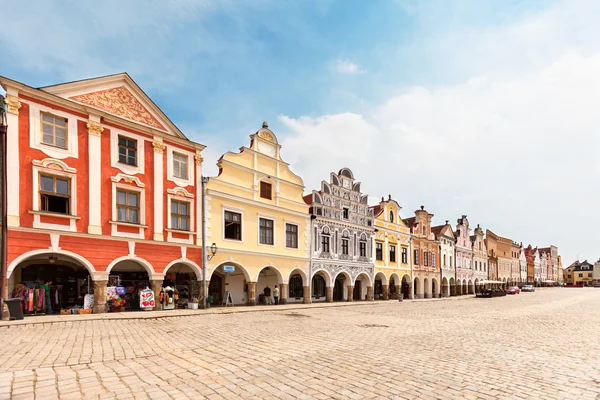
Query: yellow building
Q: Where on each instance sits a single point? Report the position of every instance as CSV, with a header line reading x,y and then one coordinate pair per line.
x,y
392,250
579,274
260,224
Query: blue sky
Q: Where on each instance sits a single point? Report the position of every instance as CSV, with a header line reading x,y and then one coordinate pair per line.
x,y
484,108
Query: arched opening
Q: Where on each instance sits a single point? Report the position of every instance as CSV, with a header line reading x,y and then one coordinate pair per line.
x,y
342,280
393,286
127,277
445,287
434,289
459,289
269,278
426,288
452,287
361,285
380,289
49,282
471,288
465,288
228,277
184,281
405,288
319,284
295,287
416,289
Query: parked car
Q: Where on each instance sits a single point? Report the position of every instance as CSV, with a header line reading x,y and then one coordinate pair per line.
x,y
528,288
513,290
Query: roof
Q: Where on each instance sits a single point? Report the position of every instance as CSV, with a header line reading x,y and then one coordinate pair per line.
x,y
308,199
377,210
410,221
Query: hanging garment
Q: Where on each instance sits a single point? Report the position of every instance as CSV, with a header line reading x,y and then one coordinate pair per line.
x,y
40,299
30,300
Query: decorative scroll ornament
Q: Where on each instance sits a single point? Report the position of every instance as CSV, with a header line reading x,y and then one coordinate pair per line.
x,y
94,128
13,104
198,158
159,147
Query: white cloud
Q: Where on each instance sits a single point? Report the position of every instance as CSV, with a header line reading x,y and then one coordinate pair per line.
x,y
513,148
347,67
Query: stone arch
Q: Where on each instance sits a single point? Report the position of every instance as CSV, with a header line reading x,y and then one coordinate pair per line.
x,y
382,276
345,274
30,254
195,267
471,287
369,282
209,274
426,288
445,287
325,274
362,285
417,288
300,272
341,288
279,274
347,173
145,264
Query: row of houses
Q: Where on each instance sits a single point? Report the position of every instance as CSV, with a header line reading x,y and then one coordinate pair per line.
x,y
105,191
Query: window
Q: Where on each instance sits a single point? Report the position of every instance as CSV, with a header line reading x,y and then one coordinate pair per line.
x,y
318,286
345,246
444,260
433,260
391,216
589,274
266,231
291,236
568,276
424,230
363,249
233,225
266,190
54,131
404,255
180,166
379,251
55,194
127,151
128,206
581,275
416,257
295,289
346,212
392,253
426,258
180,215
325,243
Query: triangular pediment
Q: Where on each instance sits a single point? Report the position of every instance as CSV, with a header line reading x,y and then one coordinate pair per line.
x,y
117,95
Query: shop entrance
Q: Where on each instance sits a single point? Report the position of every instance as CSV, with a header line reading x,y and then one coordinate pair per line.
x,y
228,277
125,281
182,281
338,288
356,293
50,284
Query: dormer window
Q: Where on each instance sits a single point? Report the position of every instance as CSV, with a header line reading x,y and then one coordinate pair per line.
x,y
391,216
54,131
266,190
127,151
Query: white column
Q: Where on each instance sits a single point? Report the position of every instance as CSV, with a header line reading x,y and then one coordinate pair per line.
x,y
159,148
12,157
198,179
95,180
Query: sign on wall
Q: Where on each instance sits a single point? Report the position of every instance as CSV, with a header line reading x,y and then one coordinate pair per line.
x,y
229,268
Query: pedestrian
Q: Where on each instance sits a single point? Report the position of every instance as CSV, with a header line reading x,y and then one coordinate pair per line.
x,y
267,293
276,295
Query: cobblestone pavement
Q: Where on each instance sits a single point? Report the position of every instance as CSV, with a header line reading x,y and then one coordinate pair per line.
x,y
534,345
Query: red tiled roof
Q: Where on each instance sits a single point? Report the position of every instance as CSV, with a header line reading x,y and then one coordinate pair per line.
x,y
308,198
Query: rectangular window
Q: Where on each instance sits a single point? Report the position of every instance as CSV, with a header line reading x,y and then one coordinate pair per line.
x,y
392,253
404,255
180,166
291,236
180,215
581,275
363,249
425,258
266,190
433,260
233,225
325,243
54,131
379,252
589,274
55,194
127,151
128,206
416,257
345,246
266,231
346,213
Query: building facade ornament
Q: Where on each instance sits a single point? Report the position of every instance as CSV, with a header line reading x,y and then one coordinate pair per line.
x,y
13,104
94,128
158,147
198,159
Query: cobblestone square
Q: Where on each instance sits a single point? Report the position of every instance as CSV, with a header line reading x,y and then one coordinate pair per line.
x,y
534,345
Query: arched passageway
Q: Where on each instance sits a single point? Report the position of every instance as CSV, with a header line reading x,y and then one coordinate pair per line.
x,y
233,278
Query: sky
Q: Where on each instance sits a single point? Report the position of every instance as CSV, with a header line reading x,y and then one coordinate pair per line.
x,y
478,107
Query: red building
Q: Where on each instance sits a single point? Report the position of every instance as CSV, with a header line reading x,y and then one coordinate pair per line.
x,y
102,187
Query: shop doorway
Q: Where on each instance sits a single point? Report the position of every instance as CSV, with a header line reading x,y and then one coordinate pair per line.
x,y
338,288
184,282
406,287
216,288
357,290
125,281
319,285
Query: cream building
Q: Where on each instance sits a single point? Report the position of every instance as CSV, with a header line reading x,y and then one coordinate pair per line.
x,y
445,236
260,224
480,257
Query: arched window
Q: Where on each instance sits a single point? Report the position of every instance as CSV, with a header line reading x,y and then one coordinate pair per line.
x,y
391,216
318,286
296,287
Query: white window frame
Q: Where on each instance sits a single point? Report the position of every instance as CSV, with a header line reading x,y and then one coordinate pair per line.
x,y
190,166
170,230
270,218
233,210
114,223
114,152
285,221
35,133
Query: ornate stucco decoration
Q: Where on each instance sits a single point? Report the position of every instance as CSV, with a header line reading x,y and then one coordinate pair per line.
x,y
121,102
94,128
158,147
13,104
352,270
199,159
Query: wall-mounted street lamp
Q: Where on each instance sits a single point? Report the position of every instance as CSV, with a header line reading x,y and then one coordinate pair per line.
x,y
213,251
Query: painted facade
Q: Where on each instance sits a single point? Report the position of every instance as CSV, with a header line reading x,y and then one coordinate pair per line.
x,y
537,267
552,268
392,252
491,243
445,237
425,249
464,257
522,265
343,231
480,258
529,257
257,218
96,169
579,274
